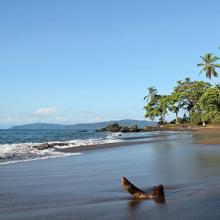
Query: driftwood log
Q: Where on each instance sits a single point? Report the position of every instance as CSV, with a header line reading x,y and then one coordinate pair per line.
x,y
157,193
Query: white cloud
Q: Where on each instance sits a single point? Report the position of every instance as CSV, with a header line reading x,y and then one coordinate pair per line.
x,y
45,111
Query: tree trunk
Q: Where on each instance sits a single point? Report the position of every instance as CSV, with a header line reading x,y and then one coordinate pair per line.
x,y
177,118
162,120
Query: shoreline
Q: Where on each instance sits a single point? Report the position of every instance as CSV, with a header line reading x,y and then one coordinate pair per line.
x,y
89,186
203,135
85,148
207,135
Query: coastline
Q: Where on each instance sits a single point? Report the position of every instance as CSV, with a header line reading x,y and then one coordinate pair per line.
x,y
88,186
209,134
85,148
202,135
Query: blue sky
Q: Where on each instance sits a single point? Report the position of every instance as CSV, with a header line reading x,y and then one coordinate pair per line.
x,y
86,61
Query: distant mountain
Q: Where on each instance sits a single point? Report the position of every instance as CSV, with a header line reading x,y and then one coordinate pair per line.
x,y
98,125
40,126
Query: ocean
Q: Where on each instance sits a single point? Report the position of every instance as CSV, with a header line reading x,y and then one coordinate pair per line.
x,y
21,145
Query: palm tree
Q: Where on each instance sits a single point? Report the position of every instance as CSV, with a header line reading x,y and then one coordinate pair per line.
x,y
152,91
208,65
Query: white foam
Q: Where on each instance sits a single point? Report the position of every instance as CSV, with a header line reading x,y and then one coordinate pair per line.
x,y
41,158
87,142
29,151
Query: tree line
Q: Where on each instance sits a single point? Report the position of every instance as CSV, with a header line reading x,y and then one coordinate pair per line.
x,y
195,102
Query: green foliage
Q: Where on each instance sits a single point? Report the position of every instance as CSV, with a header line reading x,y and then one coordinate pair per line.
x,y
189,92
196,118
209,104
152,91
216,119
175,104
199,100
210,100
209,66
156,107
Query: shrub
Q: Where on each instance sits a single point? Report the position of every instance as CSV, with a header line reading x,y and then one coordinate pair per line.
x,y
216,119
196,118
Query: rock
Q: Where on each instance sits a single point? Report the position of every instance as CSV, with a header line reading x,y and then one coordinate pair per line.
x,y
124,129
45,146
134,129
42,146
112,127
117,128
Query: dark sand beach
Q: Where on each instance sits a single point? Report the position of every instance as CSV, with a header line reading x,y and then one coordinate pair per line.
x,y
87,186
207,135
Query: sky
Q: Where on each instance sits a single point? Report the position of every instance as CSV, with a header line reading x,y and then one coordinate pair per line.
x,y
92,60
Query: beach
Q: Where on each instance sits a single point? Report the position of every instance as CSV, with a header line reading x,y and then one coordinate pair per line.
x,y
87,186
207,134
110,110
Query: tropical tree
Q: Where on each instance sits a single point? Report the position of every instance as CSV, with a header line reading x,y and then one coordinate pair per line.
x,y
162,108
197,101
209,65
152,91
175,104
187,94
209,104
156,107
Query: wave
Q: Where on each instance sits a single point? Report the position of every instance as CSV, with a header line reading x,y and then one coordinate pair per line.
x,y
32,151
40,158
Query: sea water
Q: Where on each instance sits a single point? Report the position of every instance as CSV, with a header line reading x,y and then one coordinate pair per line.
x,y
20,145
25,144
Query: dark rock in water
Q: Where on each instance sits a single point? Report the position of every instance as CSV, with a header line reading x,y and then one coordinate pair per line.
x,y
117,128
112,127
125,129
42,146
45,146
134,129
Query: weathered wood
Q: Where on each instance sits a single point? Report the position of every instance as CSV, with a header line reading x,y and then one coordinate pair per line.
x,y
158,191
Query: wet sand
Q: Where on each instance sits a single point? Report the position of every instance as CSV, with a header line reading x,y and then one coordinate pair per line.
x,y
207,135
88,186
126,142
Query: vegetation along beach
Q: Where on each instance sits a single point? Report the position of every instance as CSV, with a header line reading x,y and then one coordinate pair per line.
x,y
110,110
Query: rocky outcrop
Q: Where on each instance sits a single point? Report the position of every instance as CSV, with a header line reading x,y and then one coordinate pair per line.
x,y
112,127
117,128
125,129
43,146
135,129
